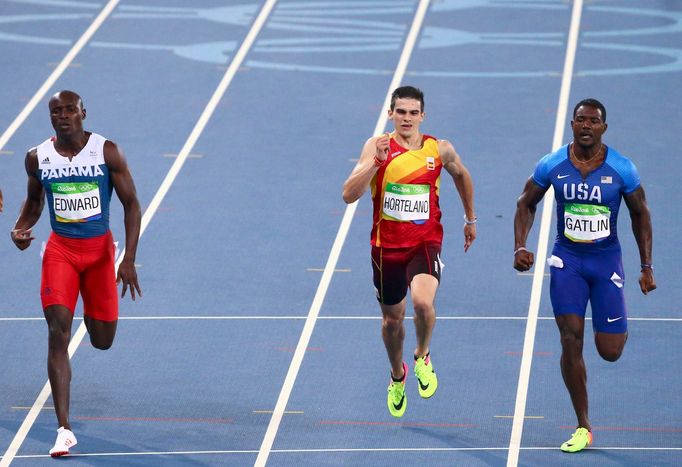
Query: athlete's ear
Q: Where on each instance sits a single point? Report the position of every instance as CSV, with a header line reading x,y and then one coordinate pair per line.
x,y
606,125
83,113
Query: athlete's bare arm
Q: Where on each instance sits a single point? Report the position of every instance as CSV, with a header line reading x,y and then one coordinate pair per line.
x,y
33,205
0,200
452,163
526,206
123,183
641,227
358,181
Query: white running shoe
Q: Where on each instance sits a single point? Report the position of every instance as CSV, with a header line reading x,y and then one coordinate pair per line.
x,y
65,440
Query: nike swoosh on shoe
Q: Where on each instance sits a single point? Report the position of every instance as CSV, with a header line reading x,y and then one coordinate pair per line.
x,y
400,405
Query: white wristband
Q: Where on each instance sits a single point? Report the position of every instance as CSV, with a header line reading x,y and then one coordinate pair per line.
x,y
470,222
521,248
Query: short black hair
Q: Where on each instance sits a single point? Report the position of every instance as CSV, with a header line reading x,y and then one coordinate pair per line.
x,y
591,103
407,92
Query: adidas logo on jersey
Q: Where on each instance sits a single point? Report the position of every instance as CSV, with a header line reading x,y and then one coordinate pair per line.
x,y
46,160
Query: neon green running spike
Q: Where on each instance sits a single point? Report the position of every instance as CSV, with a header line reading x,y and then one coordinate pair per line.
x,y
581,439
397,399
426,377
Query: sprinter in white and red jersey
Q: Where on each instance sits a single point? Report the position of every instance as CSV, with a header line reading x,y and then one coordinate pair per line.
x,y
77,171
403,169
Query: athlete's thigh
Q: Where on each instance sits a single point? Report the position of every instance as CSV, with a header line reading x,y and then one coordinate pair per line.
x,y
425,260
569,291
423,289
98,283
59,281
389,269
607,298
423,273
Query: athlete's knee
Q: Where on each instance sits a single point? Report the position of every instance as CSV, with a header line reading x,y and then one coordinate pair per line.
x,y
571,341
393,315
610,347
392,321
58,337
101,340
610,355
101,333
101,344
571,336
423,308
571,330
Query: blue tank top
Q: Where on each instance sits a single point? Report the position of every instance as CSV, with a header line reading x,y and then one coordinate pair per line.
x,y
78,190
587,209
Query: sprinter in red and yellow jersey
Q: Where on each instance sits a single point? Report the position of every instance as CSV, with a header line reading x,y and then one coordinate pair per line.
x,y
403,169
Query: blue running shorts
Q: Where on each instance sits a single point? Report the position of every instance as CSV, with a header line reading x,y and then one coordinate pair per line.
x,y
597,277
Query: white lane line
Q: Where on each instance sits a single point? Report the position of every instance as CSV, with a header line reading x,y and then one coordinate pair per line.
x,y
338,450
33,413
292,373
12,449
237,60
54,76
153,206
543,240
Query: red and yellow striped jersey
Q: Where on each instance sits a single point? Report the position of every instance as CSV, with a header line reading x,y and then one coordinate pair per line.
x,y
405,197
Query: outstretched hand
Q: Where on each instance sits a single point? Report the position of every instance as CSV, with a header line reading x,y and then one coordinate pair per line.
x,y
127,275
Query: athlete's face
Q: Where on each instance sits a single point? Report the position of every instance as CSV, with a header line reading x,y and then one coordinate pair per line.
x,y
406,116
588,126
66,113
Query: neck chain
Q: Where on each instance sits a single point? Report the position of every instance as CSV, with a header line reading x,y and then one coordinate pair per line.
x,y
578,161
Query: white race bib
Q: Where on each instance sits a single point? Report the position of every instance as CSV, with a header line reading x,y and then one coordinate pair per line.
x,y
586,223
76,202
403,202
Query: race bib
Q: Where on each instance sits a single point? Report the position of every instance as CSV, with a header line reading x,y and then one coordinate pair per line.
x,y
76,202
404,202
586,223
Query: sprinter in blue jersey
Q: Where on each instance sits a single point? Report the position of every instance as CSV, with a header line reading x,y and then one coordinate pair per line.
x,y
77,171
589,179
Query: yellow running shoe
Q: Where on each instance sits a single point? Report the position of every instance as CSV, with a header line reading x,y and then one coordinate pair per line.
x,y
581,439
426,377
397,399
